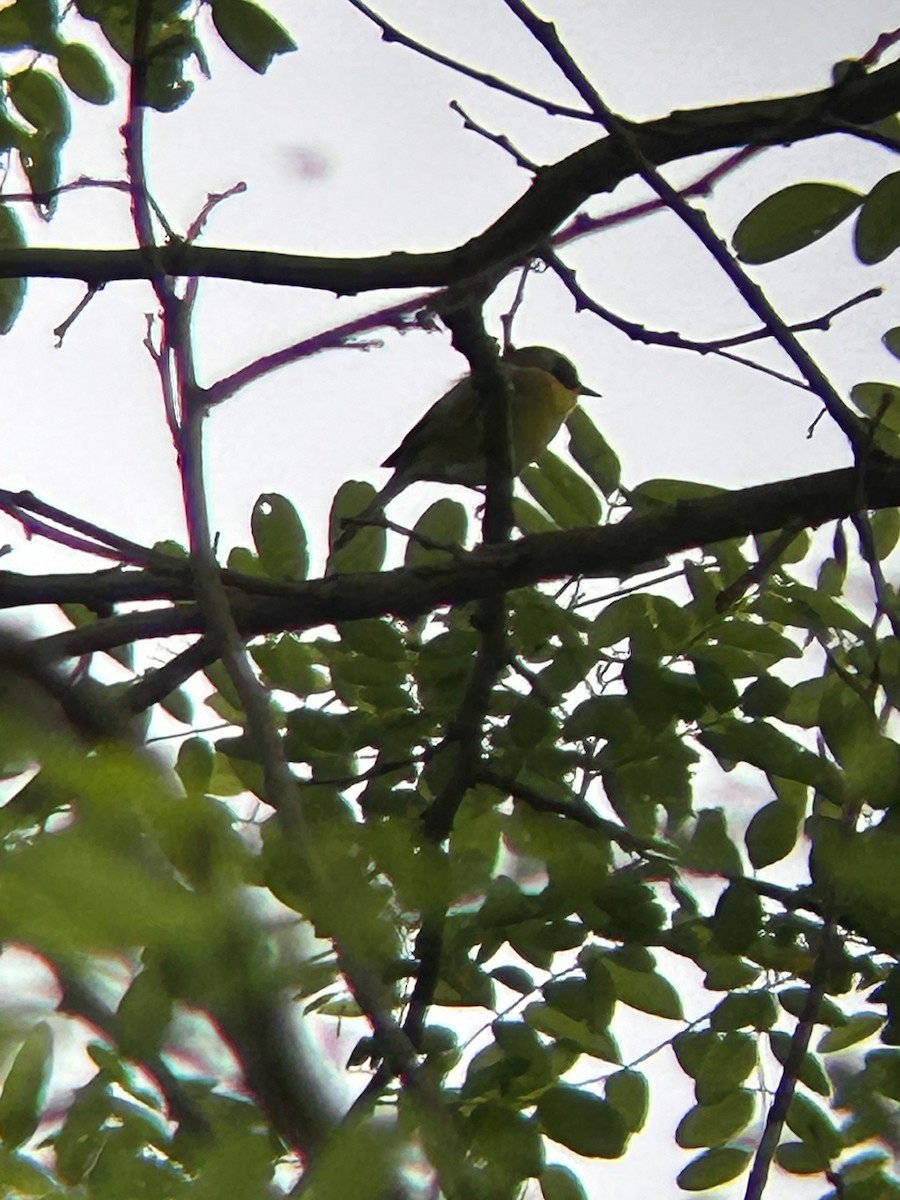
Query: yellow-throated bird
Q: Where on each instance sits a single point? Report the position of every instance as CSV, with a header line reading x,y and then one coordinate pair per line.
x,y
447,444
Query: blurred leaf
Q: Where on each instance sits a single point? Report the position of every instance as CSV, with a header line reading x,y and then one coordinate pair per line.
x,y
811,1072
885,526
799,1158
194,765
143,1016
770,750
12,291
24,1086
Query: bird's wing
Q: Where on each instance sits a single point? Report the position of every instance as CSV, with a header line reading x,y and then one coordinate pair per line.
x,y
428,443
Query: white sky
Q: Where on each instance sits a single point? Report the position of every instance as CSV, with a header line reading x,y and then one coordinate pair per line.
x,y
83,426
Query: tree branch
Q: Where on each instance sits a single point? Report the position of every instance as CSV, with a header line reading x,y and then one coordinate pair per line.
x,y
553,196
612,550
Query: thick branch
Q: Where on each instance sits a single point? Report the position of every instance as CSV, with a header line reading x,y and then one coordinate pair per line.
x,y
553,196
612,550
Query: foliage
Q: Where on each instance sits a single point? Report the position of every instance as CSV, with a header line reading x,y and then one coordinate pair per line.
x,y
482,792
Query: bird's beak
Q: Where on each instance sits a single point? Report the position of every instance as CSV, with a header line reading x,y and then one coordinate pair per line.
x,y
586,391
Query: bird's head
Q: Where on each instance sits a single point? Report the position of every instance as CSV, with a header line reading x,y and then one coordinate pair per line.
x,y
553,363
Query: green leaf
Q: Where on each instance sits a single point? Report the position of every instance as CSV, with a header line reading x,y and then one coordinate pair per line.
x,y
710,849
143,1016
593,453
42,102
772,833
813,1125
859,872
23,1089
858,1027
729,1061
572,1032
561,491
530,519
629,1094
311,731
12,291
583,1122
559,1183
765,697
792,218
445,523
84,72
741,1009
250,33
29,24
878,224
365,550
800,1158
880,402
713,1168
653,492
738,917
885,527
279,537
646,991
794,1001
291,664
770,750
42,164
691,1049
713,1124
811,1073
891,340
517,979
194,765
765,643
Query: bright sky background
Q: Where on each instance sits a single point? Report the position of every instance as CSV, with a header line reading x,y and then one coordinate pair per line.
x,y
349,147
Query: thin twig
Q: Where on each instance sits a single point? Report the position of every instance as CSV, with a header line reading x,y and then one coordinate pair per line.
x,y
390,33
545,34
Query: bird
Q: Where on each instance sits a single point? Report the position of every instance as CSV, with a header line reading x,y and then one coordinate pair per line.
x,y
447,444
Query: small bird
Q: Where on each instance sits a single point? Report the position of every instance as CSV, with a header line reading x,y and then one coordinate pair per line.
x,y
447,444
